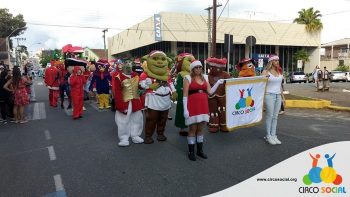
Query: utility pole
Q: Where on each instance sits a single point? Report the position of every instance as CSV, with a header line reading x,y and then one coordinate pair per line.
x,y
213,45
209,30
18,54
104,41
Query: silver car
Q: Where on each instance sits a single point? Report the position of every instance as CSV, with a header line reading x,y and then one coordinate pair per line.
x,y
297,77
338,76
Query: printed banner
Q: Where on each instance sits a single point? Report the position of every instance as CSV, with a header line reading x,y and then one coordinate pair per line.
x,y
244,101
157,27
320,171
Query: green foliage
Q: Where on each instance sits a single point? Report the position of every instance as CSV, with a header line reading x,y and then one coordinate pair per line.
x,y
301,55
47,57
9,23
311,19
342,68
234,73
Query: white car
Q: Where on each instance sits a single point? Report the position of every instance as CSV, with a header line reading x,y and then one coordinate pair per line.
x,y
347,76
338,76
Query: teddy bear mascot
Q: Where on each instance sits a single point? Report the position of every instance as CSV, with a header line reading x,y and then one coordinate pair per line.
x,y
128,105
102,78
246,68
156,82
182,65
217,101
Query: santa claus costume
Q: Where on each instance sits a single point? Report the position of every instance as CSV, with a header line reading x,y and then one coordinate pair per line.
x,y
52,82
128,105
77,82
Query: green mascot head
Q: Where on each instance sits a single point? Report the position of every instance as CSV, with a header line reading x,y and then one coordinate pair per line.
x,y
157,65
183,62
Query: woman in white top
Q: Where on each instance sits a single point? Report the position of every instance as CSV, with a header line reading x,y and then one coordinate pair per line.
x,y
273,97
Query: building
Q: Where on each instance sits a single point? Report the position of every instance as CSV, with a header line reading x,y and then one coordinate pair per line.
x,y
95,54
4,52
179,32
336,53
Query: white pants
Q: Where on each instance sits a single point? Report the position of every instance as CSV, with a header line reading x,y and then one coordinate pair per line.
x,y
129,125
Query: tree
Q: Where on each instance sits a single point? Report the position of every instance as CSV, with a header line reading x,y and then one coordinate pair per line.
x,y
301,54
311,19
9,23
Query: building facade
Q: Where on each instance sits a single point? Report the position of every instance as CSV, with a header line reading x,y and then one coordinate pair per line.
x,y
179,32
336,53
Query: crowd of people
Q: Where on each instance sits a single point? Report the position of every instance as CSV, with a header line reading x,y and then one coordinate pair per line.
x,y
146,91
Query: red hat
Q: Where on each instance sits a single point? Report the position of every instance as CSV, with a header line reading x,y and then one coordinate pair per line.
x,y
273,57
243,61
216,62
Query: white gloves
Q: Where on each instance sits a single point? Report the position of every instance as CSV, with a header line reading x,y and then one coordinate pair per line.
x,y
216,85
186,113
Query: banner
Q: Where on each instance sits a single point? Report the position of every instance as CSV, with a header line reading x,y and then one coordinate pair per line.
x,y
157,27
244,101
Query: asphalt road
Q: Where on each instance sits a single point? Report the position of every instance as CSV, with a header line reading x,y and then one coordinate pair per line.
x,y
52,155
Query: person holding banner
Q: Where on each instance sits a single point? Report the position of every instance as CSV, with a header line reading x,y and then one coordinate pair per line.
x,y
273,97
196,108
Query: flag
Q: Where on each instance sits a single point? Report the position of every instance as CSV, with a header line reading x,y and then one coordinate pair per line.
x,y
244,101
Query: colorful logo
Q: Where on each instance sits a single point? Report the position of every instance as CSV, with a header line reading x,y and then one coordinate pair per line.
x,y
245,102
326,175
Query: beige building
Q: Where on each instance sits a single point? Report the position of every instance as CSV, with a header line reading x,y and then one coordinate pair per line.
x,y
179,32
94,54
336,53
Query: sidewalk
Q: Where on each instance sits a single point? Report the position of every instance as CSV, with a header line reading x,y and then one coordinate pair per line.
x,y
335,94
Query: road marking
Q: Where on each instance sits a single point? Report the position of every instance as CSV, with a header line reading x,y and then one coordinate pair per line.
x,y
39,111
47,135
52,153
40,83
58,182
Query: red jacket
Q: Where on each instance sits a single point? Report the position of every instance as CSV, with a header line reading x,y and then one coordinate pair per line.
x,y
77,83
122,106
52,76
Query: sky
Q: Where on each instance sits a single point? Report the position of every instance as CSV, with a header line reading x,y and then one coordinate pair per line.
x,y
53,24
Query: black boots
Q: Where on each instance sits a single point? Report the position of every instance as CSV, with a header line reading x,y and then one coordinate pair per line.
x,y
191,155
200,152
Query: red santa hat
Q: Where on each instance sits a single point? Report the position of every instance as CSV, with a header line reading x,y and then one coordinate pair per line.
x,y
216,62
195,63
152,53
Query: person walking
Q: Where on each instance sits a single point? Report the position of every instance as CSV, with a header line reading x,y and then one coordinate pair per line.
x,y
77,82
196,109
17,85
273,97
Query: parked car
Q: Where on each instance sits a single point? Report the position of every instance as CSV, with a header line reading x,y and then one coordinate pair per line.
x,y
338,76
297,77
310,78
347,76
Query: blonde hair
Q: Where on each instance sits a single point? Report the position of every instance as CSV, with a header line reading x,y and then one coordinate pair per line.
x,y
192,75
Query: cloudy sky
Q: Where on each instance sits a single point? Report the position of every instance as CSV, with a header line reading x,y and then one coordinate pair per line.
x,y
56,23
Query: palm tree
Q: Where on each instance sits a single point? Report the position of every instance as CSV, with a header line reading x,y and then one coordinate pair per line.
x,y
311,19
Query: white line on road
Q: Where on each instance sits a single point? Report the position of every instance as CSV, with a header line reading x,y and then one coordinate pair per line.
x,y
47,135
58,182
39,111
52,153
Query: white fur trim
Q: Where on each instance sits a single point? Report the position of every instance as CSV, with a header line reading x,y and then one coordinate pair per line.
x,y
195,64
157,52
197,119
216,65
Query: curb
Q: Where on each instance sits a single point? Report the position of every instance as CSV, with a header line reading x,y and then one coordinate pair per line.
x,y
316,104
339,108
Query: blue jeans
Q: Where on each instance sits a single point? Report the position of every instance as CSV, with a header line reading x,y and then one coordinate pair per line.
x,y
272,106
